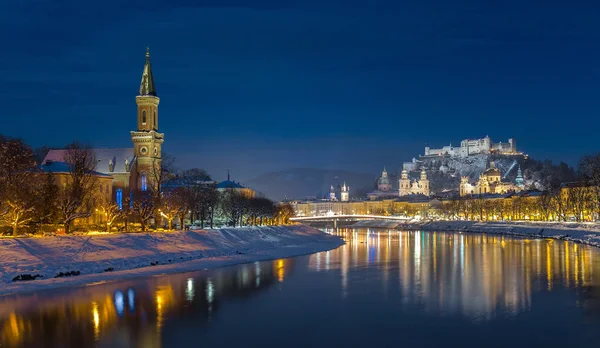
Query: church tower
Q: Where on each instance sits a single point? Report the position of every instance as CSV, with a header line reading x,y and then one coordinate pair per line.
x,y
147,142
404,184
519,180
424,183
345,194
332,196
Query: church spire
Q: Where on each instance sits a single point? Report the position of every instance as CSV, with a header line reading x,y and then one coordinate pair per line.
x,y
147,84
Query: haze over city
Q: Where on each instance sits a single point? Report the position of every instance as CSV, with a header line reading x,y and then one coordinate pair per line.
x,y
257,86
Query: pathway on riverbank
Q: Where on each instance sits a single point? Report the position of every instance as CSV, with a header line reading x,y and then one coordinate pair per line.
x,y
117,256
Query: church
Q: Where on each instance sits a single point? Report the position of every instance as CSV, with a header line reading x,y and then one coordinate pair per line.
x,y
406,186
132,169
490,182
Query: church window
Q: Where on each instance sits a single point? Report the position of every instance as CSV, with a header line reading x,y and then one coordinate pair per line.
x,y
120,198
143,116
155,120
144,182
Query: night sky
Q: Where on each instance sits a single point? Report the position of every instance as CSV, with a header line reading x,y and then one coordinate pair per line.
x,y
256,86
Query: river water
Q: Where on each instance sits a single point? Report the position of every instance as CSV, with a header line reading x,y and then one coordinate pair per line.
x,y
383,288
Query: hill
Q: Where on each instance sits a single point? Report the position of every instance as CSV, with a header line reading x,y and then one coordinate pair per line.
x,y
300,183
445,173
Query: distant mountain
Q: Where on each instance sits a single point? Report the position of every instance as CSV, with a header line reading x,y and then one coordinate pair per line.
x,y
300,183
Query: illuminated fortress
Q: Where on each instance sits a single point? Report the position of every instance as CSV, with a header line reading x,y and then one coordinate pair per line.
x,y
470,147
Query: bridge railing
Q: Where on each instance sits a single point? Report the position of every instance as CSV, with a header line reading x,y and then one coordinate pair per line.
x,y
349,216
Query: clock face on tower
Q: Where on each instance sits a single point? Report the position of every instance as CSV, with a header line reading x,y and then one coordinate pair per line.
x,y
155,151
143,150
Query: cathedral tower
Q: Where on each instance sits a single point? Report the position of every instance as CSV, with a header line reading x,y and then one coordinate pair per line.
x,y
424,183
332,196
345,194
404,184
147,142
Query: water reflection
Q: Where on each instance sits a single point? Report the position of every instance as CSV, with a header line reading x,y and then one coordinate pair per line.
x,y
99,316
474,274
390,276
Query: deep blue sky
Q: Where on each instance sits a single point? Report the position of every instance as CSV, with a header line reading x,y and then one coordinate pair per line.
x,y
265,85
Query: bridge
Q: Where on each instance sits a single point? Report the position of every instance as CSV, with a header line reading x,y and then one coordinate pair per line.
x,y
347,217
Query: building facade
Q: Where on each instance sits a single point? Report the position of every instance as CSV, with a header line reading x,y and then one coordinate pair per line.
x,y
131,169
414,187
490,182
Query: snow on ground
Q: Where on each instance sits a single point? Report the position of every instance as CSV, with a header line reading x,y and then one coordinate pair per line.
x,y
133,254
586,233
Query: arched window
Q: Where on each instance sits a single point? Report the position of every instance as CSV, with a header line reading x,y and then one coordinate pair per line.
x,y
144,182
120,198
155,121
143,116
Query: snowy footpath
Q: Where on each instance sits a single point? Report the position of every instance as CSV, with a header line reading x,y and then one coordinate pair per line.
x,y
586,233
111,257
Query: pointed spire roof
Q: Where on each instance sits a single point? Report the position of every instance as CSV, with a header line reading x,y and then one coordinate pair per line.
x,y
147,85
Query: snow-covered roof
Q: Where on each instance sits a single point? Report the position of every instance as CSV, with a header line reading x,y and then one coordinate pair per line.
x,y
103,158
63,168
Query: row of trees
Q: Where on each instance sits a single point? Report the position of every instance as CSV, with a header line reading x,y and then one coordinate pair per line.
x,y
30,197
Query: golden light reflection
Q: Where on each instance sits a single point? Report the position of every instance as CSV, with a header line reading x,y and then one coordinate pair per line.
x,y
471,273
279,269
164,297
96,320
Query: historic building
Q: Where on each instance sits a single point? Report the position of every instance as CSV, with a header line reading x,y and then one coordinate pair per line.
x,y
469,147
490,181
229,184
131,169
384,187
383,183
414,187
345,193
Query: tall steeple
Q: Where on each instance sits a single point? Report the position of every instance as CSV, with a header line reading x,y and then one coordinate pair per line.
x,y
147,141
147,84
519,180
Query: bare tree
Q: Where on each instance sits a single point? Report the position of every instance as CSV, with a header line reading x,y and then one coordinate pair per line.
x,y
284,213
19,184
110,211
173,205
143,208
76,196
233,206
545,205
577,200
589,169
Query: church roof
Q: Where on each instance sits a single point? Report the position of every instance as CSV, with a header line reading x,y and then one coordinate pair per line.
x,y
103,157
493,171
147,85
229,184
62,167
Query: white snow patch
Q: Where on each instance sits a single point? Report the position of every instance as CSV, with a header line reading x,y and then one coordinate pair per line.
x,y
131,254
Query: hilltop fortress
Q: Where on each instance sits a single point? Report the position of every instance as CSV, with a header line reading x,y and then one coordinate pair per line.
x,y
469,147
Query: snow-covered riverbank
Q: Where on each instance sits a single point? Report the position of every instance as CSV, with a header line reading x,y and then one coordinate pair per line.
x,y
585,233
117,256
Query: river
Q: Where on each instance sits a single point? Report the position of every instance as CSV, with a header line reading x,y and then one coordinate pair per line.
x,y
383,288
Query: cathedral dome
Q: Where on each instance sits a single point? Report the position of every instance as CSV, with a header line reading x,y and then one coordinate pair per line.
x,y
493,171
384,184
